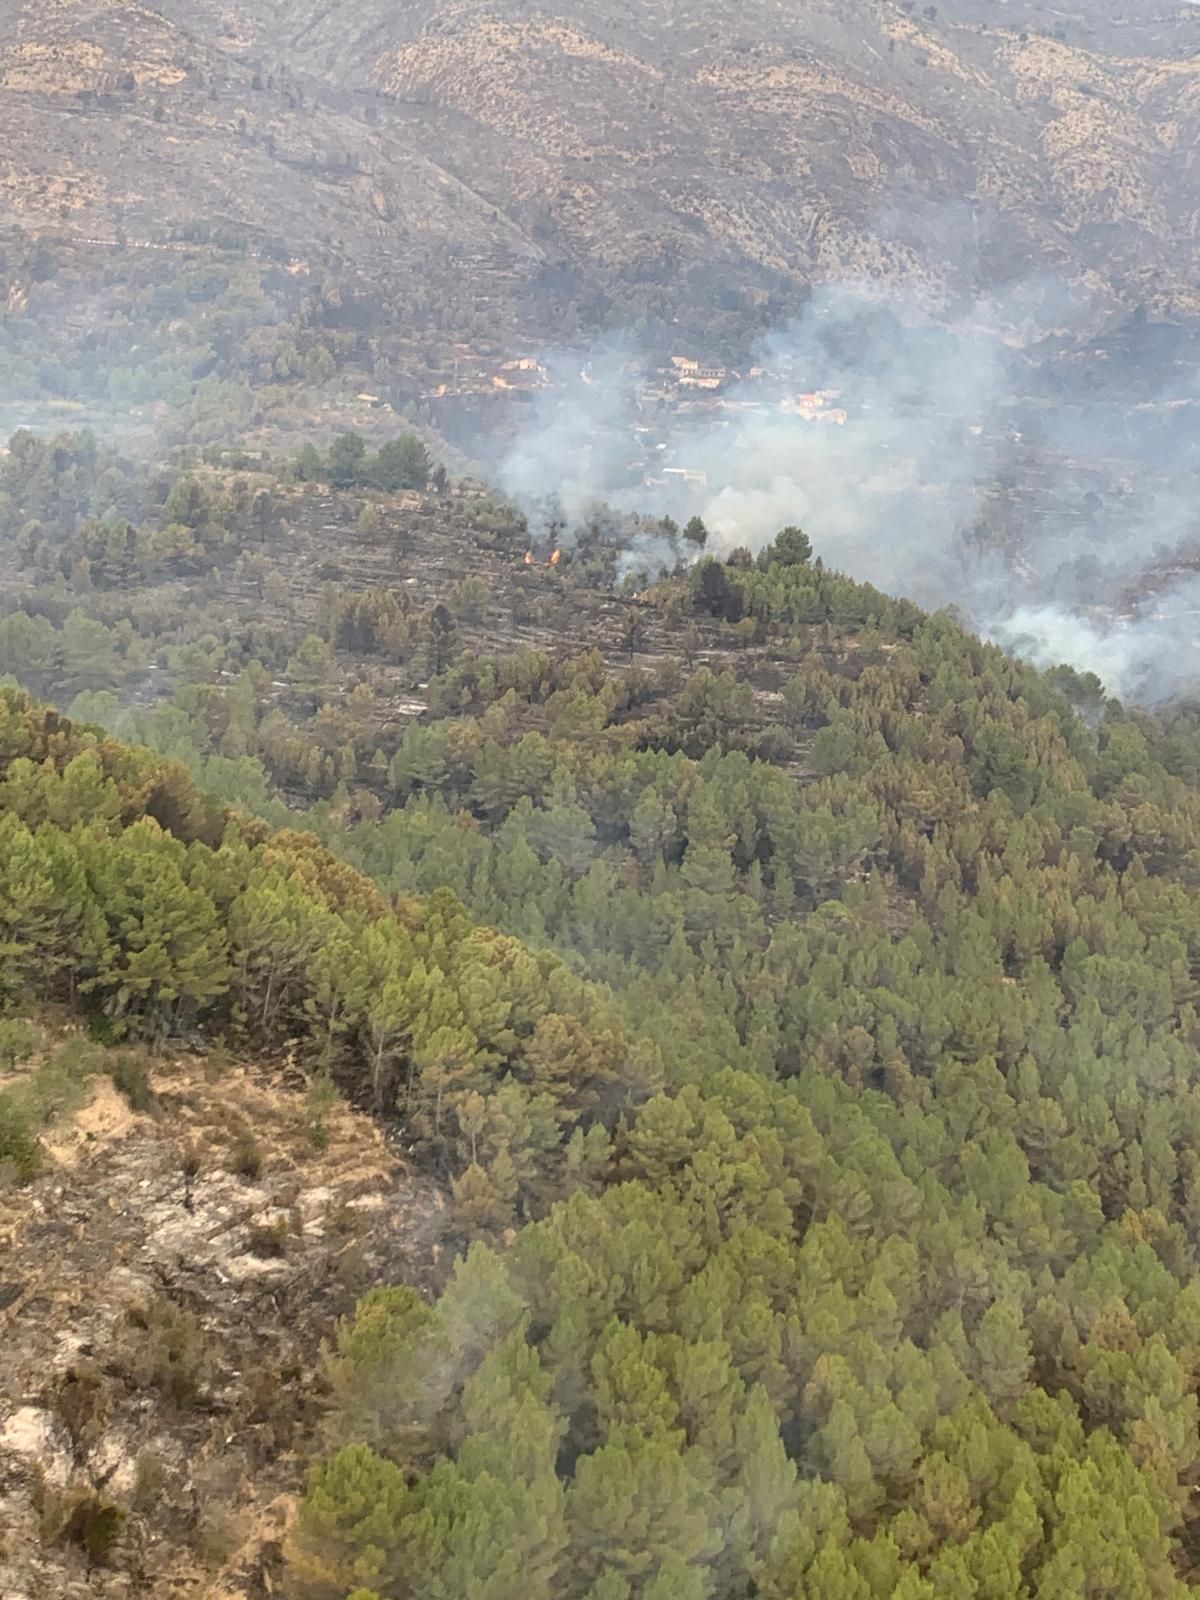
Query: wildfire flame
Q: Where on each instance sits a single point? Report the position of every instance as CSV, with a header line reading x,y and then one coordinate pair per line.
x,y
529,558
555,558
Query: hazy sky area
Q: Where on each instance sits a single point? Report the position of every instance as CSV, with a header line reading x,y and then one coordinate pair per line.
x,y
904,494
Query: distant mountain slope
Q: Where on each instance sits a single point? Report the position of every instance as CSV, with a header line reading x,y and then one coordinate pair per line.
x,y
832,139
674,160
119,115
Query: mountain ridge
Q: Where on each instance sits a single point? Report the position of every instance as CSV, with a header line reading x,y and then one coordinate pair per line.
x,y
730,158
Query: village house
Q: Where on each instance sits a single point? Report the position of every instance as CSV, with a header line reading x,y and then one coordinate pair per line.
x,y
698,374
815,406
523,373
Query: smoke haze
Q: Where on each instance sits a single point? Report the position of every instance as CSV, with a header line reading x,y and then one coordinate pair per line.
x,y
964,471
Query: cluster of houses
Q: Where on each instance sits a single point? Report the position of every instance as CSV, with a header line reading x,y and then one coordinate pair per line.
x,y
686,391
687,382
482,397
692,374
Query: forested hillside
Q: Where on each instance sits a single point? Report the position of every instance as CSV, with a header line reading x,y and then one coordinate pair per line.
x,y
544,1056
793,999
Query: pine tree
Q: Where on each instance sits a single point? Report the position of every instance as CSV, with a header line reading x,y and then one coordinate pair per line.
x,y
849,1464
652,828
945,1497
389,1372
479,1306
676,1580
351,1527
388,1012
1003,1354
483,1203
167,947
765,1485
610,1585
630,1387
51,927
635,1502
276,928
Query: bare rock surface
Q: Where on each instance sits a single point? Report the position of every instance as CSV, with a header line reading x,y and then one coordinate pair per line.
x,y
162,1320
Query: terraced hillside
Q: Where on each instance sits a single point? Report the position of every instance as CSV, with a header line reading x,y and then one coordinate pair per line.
x,y
419,549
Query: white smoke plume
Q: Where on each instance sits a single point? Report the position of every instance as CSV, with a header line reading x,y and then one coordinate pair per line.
x,y
958,476
577,446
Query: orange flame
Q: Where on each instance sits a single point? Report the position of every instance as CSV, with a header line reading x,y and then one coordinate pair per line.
x,y
529,558
555,558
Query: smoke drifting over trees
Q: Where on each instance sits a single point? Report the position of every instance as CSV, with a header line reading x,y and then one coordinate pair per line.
x,y
973,468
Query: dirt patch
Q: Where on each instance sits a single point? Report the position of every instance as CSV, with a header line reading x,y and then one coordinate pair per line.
x,y
106,1117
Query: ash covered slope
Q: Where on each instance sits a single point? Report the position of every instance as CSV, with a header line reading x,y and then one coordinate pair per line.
x,y
707,154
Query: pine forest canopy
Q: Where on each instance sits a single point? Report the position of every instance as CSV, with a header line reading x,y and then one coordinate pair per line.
x,y
811,1074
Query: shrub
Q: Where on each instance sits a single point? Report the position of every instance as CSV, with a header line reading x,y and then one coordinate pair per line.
x,y
216,1531
96,1525
17,1042
20,1153
217,1534
344,1222
269,1240
469,598
58,1087
81,1401
149,1480
166,1349
80,1058
132,1077
83,1517
216,1063
246,1157
319,1100
101,1029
